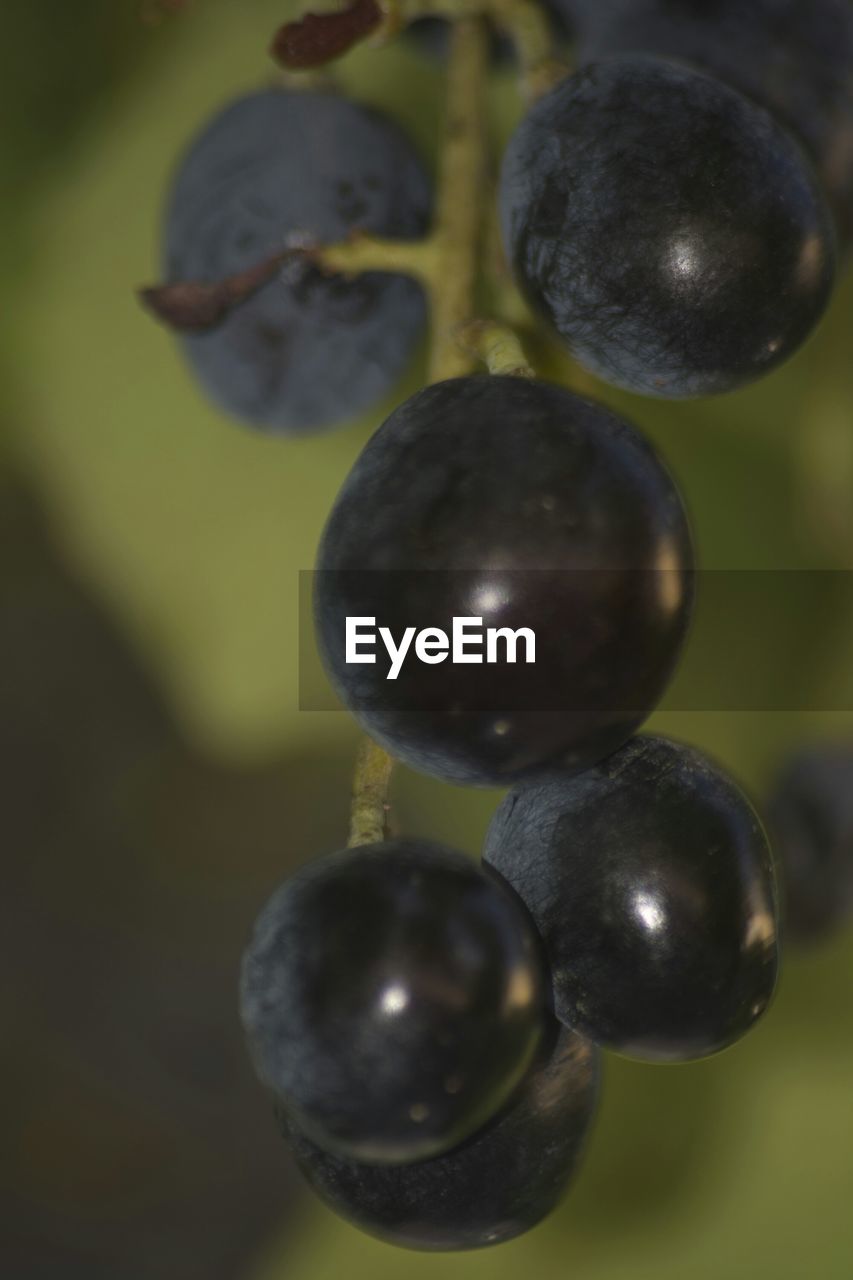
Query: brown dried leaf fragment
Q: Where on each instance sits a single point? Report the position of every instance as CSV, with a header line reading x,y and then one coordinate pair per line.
x,y
318,38
190,306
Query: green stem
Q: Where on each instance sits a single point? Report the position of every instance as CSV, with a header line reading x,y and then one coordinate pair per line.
x,y
498,346
369,816
451,254
460,202
363,252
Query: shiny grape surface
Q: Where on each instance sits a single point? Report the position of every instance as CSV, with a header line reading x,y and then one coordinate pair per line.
x,y
393,997
651,881
520,503
670,231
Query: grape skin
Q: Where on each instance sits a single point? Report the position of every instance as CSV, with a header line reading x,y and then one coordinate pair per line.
x,y
652,885
497,485
794,57
492,1188
393,997
308,351
668,229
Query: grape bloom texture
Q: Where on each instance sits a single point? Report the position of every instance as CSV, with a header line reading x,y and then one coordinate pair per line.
x,y
307,351
671,232
495,1186
793,57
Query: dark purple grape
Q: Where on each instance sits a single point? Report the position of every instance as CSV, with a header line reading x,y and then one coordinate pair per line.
x,y
794,57
810,814
393,997
669,229
307,351
651,882
516,501
495,1186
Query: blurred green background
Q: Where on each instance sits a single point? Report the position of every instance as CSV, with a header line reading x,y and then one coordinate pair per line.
x,y
158,777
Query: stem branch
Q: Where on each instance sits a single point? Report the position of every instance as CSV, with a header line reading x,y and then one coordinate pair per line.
x,y
363,252
498,346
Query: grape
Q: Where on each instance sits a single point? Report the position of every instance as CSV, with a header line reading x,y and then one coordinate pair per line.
x,y
669,229
392,998
519,502
651,882
794,57
307,351
810,813
495,1186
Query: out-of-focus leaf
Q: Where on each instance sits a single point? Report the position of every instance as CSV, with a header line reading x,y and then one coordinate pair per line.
x,y
193,529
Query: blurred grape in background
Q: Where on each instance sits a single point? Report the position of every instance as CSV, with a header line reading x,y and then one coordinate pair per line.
x,y
158,777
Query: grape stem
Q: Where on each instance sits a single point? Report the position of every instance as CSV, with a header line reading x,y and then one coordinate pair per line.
x,y
445,261
460,200
369,816
362,252
451,253
497,346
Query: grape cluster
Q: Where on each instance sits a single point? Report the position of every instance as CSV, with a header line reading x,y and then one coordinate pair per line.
x,y
431,1029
